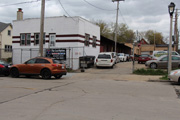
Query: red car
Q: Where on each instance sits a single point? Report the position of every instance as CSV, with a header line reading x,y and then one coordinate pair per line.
x,y
144,58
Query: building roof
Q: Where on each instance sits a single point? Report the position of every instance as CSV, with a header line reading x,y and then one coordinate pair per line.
x,y
3,26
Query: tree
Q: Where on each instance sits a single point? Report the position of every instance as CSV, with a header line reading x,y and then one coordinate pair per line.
x,y
104,28
124,34
152,37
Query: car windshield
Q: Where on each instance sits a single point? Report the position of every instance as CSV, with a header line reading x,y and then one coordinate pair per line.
x,y
56,61
144,55
120,54
104,56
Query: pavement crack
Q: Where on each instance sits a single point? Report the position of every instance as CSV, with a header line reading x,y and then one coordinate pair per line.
x,y
47,89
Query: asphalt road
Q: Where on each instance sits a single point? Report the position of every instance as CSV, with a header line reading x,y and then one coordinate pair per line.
x,y
96,94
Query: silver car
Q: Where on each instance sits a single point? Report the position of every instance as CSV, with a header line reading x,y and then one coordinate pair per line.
x,y
162,62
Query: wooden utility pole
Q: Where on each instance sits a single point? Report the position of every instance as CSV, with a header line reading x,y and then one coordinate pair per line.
x,y
176,31
41,28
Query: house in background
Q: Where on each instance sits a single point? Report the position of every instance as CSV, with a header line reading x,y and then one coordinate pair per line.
x,y
5,40
65,38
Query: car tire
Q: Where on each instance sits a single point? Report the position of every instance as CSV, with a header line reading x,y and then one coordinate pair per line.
x,y
46,74
153,66
58,76
14,73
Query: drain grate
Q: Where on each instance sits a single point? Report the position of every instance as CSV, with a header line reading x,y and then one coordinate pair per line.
x,y
178,92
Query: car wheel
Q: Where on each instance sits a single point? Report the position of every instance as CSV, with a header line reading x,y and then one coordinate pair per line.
x,y
14,73
153,66
58,76
46,74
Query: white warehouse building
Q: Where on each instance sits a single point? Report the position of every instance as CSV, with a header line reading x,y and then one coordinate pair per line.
x,y
65,38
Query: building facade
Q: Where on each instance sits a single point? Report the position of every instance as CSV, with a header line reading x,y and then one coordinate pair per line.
x,y
71,36
5,40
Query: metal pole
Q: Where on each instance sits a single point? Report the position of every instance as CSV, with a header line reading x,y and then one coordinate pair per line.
x,y
41,28
133,59
170,47
116,26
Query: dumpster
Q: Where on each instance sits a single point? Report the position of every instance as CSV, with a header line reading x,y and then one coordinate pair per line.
x,y
86,61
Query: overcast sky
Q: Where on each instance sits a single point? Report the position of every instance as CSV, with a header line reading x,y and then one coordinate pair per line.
x,y
141,15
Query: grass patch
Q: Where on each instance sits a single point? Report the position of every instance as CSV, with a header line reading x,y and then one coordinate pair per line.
x,y
143,71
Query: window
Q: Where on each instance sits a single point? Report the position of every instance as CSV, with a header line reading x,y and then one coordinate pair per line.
x,y
87,37
94,41
25,39
52,39
8,48
175,58
37,38
42,61
32,61
104,56
9,32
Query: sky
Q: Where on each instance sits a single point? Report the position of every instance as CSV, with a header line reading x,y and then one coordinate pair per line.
x,y
141,15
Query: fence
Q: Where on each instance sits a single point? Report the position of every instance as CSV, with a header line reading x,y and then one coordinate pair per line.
x,y
70,56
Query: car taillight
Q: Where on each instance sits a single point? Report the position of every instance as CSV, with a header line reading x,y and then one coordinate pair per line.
x,y
96,60
2,66
55,65
111,60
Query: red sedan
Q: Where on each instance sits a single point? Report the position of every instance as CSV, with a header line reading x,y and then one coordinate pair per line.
x,y
144,58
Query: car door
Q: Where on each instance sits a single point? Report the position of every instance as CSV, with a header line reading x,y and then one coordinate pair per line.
x,y
27,67
163,62
40,64
175,61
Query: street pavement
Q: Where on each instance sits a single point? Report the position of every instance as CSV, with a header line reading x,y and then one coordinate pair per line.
x,y
96,94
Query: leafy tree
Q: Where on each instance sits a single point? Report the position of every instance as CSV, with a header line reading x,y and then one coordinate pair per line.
x,y
152,36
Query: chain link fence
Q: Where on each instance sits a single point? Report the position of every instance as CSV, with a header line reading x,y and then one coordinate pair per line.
x,y
67,55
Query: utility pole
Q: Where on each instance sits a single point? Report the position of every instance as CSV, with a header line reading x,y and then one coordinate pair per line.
x,y
176,31
115,38
41,28
154,40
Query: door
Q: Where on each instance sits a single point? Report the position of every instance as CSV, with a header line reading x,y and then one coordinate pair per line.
x,y
52,39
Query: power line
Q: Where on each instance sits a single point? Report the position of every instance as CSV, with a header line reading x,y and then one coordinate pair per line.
x,y
97,7
65,9
19,3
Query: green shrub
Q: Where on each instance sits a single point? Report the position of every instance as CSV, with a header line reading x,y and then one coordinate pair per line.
x,y
143,71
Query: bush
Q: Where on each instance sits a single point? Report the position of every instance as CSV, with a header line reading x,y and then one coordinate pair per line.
x,y
143,71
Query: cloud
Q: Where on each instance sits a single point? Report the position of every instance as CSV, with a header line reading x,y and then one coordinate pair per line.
x,y
139,15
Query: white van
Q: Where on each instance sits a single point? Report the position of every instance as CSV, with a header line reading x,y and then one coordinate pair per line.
x,y
157,54
105,59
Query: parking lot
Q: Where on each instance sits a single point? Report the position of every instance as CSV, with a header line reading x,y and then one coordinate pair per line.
x,y
96,94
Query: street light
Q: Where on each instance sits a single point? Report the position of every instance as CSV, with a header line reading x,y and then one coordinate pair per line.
x,y
171,8
116,22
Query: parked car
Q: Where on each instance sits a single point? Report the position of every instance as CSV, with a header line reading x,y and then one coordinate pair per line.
x,y
128,57
143,58
46,67
174,76
122,57
4,68
105,60
162,62
157,54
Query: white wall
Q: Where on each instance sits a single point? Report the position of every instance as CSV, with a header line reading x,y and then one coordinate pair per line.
x,y
75,28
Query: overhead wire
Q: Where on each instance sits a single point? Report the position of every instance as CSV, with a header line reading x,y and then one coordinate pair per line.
x,y
19,3
97,7
65,10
